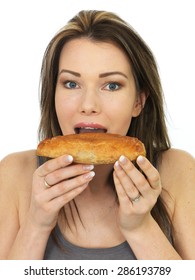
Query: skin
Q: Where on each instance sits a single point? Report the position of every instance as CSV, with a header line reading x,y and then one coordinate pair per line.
x,y
87,95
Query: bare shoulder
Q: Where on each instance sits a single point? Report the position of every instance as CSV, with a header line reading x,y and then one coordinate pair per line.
x,y
177,170
16,171
178,167
14,164
176,155
19,157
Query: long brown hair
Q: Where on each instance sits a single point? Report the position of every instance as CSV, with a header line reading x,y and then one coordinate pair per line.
x,y
150,125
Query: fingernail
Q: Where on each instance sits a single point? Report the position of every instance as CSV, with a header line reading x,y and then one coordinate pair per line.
x,y
117,165
140,159
123,159
89,175
69,158
88,167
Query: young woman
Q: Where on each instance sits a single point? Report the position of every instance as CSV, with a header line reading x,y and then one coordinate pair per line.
x,y
99,75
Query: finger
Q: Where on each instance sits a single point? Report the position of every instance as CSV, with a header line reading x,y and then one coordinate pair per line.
x,y
140,181
67,173
129,187
135,175
54,164
58,202
67,186
150,171
122,195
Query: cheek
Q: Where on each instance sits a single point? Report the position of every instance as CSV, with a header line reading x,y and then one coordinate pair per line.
x,y
121,115
64,110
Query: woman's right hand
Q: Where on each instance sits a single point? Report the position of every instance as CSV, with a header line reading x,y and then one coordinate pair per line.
x,y
65,182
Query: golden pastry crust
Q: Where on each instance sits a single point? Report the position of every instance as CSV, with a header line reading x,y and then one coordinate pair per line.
x,y
92,148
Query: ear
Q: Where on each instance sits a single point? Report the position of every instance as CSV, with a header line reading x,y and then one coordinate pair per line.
x,y
139,104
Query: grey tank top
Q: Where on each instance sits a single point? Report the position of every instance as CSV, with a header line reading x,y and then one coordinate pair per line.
x,y
64,250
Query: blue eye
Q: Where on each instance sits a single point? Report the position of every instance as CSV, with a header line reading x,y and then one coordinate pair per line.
x,y
70,84
112,86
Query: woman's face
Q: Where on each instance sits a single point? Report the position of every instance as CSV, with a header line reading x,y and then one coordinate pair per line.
x,y
95,89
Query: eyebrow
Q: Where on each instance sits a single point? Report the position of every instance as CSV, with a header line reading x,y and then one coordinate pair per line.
x,y
103,75
71,72
112,73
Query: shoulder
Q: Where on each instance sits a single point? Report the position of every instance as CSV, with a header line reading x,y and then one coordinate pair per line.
x,y
16,162
176,155
16,171
177,165
177,171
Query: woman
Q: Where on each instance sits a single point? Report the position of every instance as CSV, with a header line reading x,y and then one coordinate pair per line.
x,y
99,75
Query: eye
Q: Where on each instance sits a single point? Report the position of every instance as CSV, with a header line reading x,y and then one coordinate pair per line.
x,y
112,86
70,84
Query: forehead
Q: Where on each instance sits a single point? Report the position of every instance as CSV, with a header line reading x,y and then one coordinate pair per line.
x,y
85,52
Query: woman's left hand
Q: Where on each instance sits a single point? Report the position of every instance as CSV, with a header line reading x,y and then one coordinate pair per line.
x,y
137,193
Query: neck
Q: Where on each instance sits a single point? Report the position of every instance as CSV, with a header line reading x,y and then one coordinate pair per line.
x,y
102,180
96,204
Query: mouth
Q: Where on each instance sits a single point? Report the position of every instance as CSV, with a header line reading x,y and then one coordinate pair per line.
x,y
89,129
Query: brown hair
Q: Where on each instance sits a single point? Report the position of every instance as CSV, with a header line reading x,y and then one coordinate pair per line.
x,y
149,126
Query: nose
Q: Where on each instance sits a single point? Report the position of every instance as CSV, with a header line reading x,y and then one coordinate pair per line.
x,y
89,103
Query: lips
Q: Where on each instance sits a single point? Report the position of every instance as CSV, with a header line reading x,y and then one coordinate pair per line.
x,y
89,128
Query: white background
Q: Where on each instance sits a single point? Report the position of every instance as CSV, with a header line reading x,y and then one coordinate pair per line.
x,y
26,27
